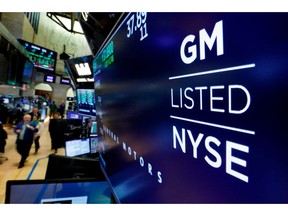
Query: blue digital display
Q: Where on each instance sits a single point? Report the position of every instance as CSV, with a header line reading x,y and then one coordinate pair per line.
x,y
49,78
65,81
61,191
86,102
195,110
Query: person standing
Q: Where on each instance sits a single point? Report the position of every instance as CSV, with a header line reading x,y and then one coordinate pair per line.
x,y
3,137
53,108
20,114
54,132
35,112
39,125
62,109
3,112
25,135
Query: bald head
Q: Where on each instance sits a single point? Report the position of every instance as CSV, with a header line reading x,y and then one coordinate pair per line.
x,y
27,118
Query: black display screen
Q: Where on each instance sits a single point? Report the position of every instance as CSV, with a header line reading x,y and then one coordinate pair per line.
x,y
49,78
28,72
42,58
193,108
59,191
65,81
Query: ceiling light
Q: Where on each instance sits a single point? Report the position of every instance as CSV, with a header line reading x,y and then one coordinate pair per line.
x,y
83,69
81,80
85,79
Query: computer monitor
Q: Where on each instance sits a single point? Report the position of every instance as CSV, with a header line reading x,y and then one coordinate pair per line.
x,y
73,115
93,129
72,191
63,167
94,144
5,100
77,147
48,78
86,102
42,58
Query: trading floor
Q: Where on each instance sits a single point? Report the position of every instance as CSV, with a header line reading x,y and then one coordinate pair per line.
x,y
35,165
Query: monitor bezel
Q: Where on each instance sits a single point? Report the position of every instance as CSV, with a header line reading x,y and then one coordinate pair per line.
x,y
11,183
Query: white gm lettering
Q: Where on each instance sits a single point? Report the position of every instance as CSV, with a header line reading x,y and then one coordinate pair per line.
x,y
204,39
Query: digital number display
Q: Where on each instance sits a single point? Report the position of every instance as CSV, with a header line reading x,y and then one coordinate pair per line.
x,y
137,21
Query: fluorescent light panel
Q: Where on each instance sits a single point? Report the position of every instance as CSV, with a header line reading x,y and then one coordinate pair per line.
x,y
85,79
83,69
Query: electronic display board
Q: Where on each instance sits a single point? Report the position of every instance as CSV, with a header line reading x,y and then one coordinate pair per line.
x,y
27,72
193,108
86,102
65,81
58,191
77,147
42,58
49,78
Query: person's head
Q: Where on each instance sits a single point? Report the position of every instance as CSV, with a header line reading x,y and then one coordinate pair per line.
x,y
27,118
35,110
35,118
56,115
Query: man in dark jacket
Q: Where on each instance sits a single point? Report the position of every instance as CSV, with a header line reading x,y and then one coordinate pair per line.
x,y
3,112
25,135
55,132
61,109
35,112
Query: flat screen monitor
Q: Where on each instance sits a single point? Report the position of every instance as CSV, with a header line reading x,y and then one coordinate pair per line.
x,y
48,78
60,191
5,100
27,72
63,167
77,147
95,144
26,107
3,67
42,58
65,81
192,109
86,102
72,128
93,129
16,62
25,100
73,115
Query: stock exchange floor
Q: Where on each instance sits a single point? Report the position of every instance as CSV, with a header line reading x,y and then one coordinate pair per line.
x,y
35,165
